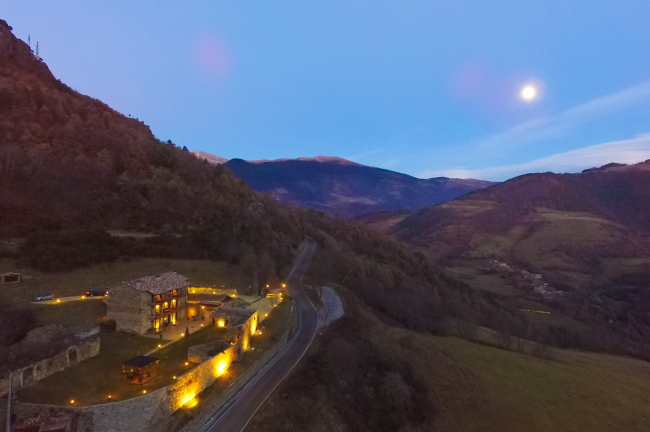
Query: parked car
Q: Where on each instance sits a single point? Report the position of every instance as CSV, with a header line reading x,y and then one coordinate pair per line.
x,y
43,297
95,293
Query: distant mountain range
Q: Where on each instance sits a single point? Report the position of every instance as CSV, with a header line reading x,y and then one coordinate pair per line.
x,y
342,187
579,230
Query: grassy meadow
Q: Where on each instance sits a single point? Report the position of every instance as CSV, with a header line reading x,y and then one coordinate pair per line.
x,y
474,386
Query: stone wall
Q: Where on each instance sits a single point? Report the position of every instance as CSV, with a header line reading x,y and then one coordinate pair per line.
x,y
201,353
44,368
210,290
204,416
136,414
130,308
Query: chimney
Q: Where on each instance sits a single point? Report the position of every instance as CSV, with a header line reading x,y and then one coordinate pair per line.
x,y
157,277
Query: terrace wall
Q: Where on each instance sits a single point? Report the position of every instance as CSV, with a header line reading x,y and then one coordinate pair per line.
x,y
139,413
44,368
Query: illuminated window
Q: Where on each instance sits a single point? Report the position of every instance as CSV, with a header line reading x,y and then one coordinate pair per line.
x,y
166,306
175,292
174,303
157,308
159,298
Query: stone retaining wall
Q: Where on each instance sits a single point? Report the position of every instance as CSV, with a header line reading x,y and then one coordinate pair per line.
x,y
202,418
44,368
136,414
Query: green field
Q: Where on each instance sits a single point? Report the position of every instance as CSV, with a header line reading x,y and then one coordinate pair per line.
x,y
480,387
572,392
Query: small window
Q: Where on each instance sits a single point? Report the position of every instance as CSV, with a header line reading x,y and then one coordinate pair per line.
x,y
158,297
72,356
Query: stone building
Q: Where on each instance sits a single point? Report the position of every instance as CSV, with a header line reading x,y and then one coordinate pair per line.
x,y
45,351
148,304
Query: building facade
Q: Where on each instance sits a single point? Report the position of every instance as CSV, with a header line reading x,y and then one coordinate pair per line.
x,y
149,304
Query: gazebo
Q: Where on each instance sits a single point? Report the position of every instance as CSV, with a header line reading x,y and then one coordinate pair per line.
x,y
140,369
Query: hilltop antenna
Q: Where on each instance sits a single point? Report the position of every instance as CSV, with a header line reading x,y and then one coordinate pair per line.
x,y
37,51
29,42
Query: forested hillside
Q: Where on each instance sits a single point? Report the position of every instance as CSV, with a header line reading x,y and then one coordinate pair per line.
x,y
72,167
344,188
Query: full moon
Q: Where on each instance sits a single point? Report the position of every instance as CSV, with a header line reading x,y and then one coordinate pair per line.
x,y
528,93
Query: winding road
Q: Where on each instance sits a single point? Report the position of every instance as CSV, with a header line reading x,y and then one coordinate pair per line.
x,y
236,414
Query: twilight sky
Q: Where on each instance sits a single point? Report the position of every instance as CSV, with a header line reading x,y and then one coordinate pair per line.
x,y
427,88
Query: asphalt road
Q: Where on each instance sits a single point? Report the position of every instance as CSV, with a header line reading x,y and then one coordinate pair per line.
x,y
236,414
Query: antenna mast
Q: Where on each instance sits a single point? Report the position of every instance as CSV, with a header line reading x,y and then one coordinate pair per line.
x,y
37,56
29,42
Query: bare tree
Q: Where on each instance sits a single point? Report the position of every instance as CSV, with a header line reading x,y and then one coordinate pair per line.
x,y
522,335
504,329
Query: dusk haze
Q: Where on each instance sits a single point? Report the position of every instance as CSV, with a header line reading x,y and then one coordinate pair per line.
x,y
344,216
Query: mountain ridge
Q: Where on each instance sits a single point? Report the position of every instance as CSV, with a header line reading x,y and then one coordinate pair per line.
x,y
341,187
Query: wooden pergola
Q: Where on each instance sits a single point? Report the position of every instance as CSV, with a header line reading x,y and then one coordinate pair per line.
x,y
140,369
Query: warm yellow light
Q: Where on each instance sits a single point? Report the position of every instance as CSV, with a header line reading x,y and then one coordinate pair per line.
x,y
186,363
267,286
221,367
202,307
144,392
528,93
159,345
58,300
83,297
221,323
284,285
174,377
192,403
71,401
266,315
109,396
182,334
188,398
201,325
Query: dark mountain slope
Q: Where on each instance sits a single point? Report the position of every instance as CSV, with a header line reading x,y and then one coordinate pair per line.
x,y
68,161
345,188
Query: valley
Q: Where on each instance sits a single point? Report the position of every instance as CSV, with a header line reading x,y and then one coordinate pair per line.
x,y
147,287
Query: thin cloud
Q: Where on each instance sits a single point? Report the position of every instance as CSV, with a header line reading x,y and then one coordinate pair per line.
x,y
626,151
553,126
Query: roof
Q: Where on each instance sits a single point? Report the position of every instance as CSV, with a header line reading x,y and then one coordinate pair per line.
x,y
56,424
28,422
160,283
141,361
